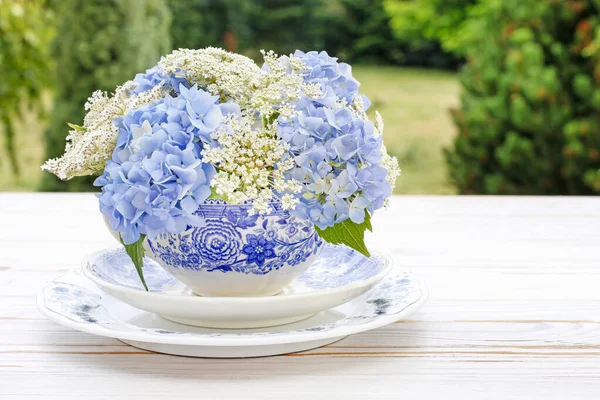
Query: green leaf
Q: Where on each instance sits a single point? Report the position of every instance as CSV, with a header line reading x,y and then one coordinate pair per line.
x,y
349,233
136,253
367,222
273,117
76,127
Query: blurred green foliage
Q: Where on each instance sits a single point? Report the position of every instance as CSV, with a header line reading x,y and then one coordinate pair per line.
x,y
356,31
362,33
246,26
26,30
448,21
529,120
202,23
286,25
359,31
101,44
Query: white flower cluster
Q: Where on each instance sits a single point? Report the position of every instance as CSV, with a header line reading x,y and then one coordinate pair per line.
x,y
238,78
91,145
358,108
283,81
229,75
388,162
251,162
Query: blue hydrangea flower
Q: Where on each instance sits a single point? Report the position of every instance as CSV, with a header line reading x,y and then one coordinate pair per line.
x,y
335,78
337,154
153,77
156,178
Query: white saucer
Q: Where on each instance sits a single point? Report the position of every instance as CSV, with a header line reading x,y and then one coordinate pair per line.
x,y
74,301
338,275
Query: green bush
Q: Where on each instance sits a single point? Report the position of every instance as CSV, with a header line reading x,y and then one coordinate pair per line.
x,y
529,120
218,23
247,26
356,31
359,31
446,21
434,33
26,32
100,44
286,25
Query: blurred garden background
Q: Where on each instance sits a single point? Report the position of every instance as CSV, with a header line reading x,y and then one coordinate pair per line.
x,y
478,96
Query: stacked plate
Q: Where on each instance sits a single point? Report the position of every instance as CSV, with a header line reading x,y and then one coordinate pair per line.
x,y
342,293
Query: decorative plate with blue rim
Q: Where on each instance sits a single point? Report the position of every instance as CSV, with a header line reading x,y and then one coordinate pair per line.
x,y
338,275
74,301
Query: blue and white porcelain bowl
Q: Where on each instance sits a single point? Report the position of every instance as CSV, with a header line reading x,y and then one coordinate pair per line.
x,y
236,253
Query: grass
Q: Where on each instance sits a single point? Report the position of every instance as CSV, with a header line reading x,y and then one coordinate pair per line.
x,y
414,104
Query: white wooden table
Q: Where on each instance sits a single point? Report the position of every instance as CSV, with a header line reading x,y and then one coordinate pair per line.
x,y
514,312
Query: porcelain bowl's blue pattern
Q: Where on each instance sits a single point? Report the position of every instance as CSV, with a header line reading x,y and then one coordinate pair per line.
x,y
236,253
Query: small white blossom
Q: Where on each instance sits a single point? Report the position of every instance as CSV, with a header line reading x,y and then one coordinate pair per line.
x,y
388,162
378,124
288,202
391,164
279,88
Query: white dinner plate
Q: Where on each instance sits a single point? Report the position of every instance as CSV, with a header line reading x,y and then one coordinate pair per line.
x,y
338,275
74,301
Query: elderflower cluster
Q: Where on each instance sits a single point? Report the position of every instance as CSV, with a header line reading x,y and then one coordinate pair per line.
x,y
281,87
388,162
228,75
91,145
251,163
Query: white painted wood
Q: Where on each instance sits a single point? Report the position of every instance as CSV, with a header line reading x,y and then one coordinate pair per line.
x,y
514,311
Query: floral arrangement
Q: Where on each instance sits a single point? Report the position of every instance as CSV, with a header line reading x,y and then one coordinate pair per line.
x,y
208,124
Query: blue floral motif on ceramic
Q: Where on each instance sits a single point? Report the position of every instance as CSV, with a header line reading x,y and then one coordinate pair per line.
x,y
234,240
